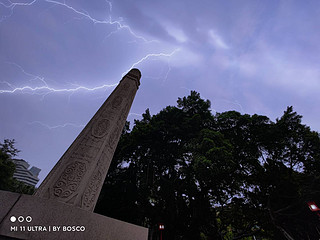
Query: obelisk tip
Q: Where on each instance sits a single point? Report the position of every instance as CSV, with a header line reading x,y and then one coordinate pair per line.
x,y
134,72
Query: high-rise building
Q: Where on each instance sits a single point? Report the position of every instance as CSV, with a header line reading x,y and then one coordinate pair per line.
x,y
24,174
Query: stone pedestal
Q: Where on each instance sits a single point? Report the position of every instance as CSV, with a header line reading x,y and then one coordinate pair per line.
x,y
55,220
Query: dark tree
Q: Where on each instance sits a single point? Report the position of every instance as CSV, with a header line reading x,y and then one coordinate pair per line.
x,y
222,176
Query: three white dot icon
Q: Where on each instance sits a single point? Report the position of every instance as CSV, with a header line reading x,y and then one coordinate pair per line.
x,y
21,219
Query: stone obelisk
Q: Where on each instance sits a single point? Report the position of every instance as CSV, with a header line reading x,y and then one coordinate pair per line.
x,y
78,176
63,205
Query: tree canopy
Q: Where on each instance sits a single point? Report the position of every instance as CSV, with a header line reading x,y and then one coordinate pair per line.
x,y
7,168
216,176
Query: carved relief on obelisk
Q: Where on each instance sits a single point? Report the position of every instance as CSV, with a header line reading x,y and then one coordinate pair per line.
x,y
78,176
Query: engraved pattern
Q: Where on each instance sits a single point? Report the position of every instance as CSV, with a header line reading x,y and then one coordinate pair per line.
x,y
108,114
91,191
104,161
69,180
112,137
123,113
86,152
116,102
100,129
88,149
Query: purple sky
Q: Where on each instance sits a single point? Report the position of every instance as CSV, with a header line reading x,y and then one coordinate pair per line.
x,y
59,60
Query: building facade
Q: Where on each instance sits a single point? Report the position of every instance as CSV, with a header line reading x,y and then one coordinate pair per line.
x,y
24,174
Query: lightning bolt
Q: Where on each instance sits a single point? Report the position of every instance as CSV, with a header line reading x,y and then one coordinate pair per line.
x,y
110,5
68,124
108,22
153,55
166,74
235,103
58,126
12,5
33,77
50,89
84,14
45,89
135,114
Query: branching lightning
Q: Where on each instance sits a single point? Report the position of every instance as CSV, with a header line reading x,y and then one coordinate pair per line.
x,y
151,55
58,126
234,103
163,72
33,77
110,5
12,5
154,55
84,14
69,124
50,89
45,89
108,22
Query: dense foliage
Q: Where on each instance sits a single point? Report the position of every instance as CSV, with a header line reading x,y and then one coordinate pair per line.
x,y
222,176
7,168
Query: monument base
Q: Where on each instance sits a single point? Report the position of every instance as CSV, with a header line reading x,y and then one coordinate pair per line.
x,y
30,217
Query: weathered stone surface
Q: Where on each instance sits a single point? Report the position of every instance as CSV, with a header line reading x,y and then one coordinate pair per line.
x,y
49,213
78,176
7,201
